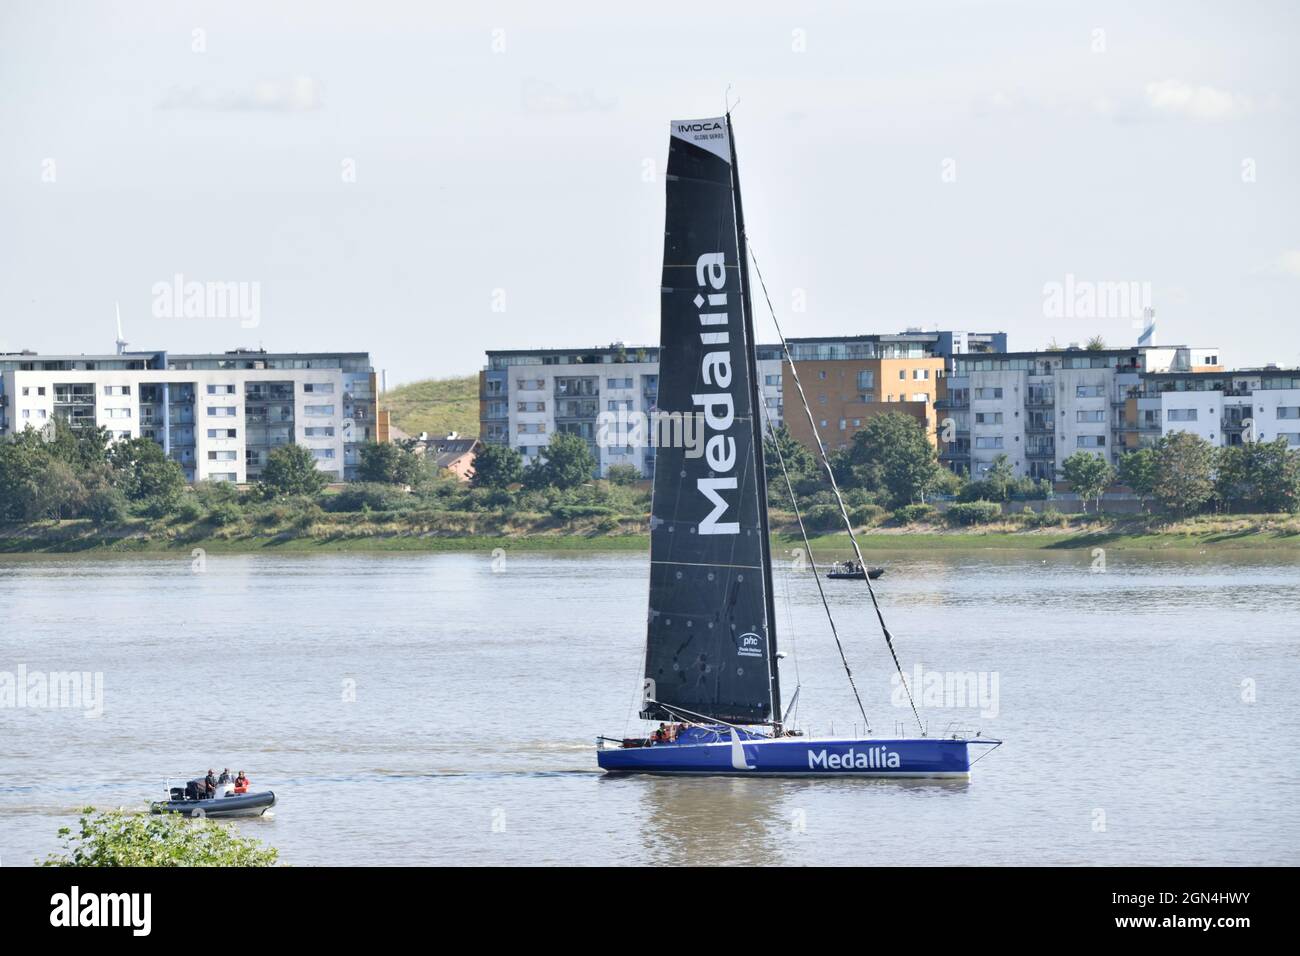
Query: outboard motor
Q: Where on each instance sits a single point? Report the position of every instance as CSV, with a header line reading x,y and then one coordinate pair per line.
x,y
178,793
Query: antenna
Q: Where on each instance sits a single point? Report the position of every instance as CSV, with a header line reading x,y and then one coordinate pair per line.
x,y
122,343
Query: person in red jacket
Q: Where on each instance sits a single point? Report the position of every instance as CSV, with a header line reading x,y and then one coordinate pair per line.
x,y
241,783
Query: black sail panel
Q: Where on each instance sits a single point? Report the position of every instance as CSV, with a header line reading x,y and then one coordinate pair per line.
x,y
708,648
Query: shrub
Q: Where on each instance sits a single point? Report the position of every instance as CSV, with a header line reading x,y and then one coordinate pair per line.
x,y
105,505
359,496
569,512
973,512
915,514
623,474
822,517
189,510
224,513
865,515
118,838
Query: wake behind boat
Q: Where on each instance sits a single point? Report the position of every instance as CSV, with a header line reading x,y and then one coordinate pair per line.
x,y
711,664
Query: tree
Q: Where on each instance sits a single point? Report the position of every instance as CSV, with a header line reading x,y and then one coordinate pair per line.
x,y
1258,477
1137,469
894,454
566,462
119,838
1088,475
391,463
799,461
1000,476
497,466
1184,470
1096,344
143,473
291,470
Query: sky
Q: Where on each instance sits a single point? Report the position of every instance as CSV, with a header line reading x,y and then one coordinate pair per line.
x,y
428,181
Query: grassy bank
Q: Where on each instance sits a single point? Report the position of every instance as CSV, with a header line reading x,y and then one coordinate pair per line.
x,y
484,531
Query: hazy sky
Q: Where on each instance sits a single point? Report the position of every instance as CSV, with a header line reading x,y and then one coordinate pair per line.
x,y
909,164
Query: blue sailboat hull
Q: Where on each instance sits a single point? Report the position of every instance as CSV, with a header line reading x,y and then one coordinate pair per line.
x,y
798,757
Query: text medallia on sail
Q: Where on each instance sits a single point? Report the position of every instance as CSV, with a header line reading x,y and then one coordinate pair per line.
x,y
709,647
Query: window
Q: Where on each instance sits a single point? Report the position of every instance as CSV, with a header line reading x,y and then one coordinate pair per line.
x,y
771,379
221,390
823,423
322,453
988,418
221,433
822,375
26,391
619,382
221,456
221,411
1181,415
1288,411
1090,415
843,424
123,435
319,388
221,476
118,412
902,374
320,411
866,380
1293,438
617,404
531,428
1089,391
919,374
821,399
117,389
920,397
319,431
531,406
1091,441
988,394
989,442
857,423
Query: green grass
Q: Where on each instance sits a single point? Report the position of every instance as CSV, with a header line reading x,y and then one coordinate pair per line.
x,y
436,406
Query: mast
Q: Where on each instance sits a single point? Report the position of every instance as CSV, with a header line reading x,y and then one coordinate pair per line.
x,y
756,422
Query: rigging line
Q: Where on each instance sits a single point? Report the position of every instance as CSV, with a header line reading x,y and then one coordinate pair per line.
x,y
830,473
821,591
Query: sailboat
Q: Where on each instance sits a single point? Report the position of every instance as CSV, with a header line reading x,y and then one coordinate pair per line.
x,y
712,679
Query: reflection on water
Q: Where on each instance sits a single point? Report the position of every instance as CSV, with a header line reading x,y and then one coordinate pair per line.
x,y
422,708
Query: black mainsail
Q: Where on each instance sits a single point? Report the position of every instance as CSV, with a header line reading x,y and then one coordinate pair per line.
x,y
711,645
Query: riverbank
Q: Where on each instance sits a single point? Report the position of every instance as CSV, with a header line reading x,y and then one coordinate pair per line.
x,y
334,533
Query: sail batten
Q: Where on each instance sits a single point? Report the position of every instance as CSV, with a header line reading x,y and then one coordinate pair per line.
x,y
710,646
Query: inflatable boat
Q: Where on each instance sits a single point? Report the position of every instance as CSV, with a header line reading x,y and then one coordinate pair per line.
x,y
225,803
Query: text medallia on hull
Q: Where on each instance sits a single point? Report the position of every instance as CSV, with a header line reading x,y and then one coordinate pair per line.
x,y
711,664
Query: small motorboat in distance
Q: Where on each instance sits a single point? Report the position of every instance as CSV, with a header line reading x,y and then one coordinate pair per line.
x,y
226,802
852,571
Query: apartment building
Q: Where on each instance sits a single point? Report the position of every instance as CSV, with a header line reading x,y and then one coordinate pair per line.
x,y
1224,408
528,395
218,415
1038,408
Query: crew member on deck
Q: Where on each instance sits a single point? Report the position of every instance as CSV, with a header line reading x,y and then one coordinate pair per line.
x,y
241,783
210,782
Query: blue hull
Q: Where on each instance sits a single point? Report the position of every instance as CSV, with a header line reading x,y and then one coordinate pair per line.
x,y
798,757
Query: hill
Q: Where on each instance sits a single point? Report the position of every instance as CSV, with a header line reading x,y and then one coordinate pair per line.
x,y
436,406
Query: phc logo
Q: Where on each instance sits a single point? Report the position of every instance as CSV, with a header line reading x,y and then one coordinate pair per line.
x,y
751,645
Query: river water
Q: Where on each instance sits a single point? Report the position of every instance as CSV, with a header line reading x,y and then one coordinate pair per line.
x,y
412,709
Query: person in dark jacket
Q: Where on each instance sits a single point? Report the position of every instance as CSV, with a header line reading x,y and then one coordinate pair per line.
x,y
225,776
210,783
